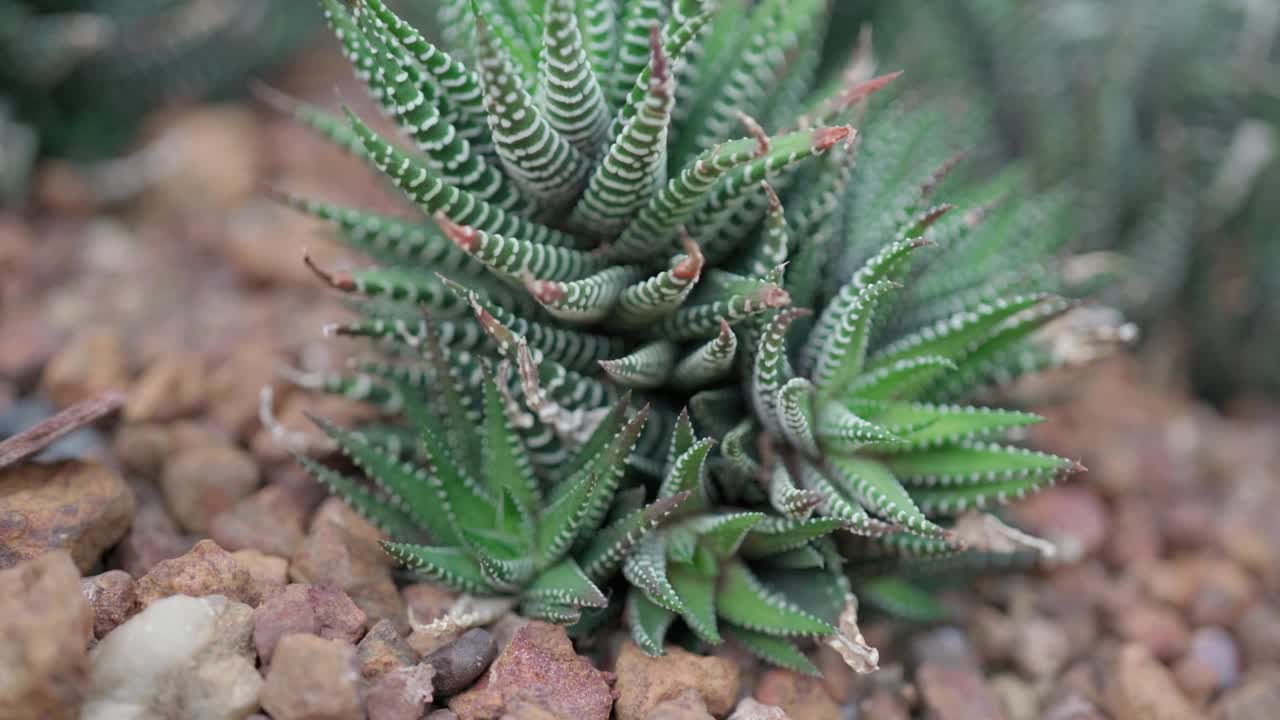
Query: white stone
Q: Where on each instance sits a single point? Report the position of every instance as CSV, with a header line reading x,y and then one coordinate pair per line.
x,y
182,657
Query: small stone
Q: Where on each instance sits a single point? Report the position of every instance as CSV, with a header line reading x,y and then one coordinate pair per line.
x,y
342,550
1224,594
81,507
112,598
90,364
234,386
1141,688
272,520
538,669
1159,629
1071,517
400,694
1259,633
688,705
269,572
957,693
312,679
1016,695
172,387
152,538
218,153
1041,648
206,570
1072,706
143,448
1212,663
945,646
383,650
442,714
993,633
644,682
320,610
44,627
202,482
459,663
1134,540
427,601
506,628
181,657
802,697
839,679
883,705
1255,699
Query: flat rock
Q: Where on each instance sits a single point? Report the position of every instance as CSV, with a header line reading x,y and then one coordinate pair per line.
x,y
202,482
539,671
206,570
802,697
1140,688
313,679
112,597
91,363
459,663
271,520
152,538
81,507
688,705
400,694
269,572
382,650
180,657
320,610
342,550
644,682
752,709
45,624
957,693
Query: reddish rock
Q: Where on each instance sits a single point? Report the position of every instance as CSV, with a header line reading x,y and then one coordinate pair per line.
x,y
172,387
644,682
83,508
90,364
307,609
1140,688
269,572
1255,699
1224,594
688,705
881,705
383,650
152,538
235,384
312,679
427,601
1041,648
218,153
45,625
111,595
1072,517
993,633
800,696
400,694
272,520
202,482
1134,540
957,693
342,550
1158,628
1071,706
839,679
538,669
1259,634
143,448
206,570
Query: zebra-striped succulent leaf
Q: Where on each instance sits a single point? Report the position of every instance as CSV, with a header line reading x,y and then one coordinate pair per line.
x,y
767,328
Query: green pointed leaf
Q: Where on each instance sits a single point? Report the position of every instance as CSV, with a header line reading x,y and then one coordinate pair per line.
x,y
448,565
772,649
743,600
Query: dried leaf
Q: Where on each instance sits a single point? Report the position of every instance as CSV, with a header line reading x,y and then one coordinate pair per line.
x,y
849,642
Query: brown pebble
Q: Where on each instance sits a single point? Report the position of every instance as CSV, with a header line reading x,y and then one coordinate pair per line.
x,y
206,570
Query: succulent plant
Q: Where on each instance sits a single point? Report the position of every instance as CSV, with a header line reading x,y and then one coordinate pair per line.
x,y
1160,115
798,314
80,75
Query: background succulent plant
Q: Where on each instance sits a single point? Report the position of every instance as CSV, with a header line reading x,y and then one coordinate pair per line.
x,y
80,74
791,301
1163,118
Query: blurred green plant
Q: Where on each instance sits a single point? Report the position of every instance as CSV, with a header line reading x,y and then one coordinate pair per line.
x,y
80,74
1163,116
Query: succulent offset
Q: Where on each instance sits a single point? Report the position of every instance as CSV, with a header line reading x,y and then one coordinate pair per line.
x,y
669,316
76,77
